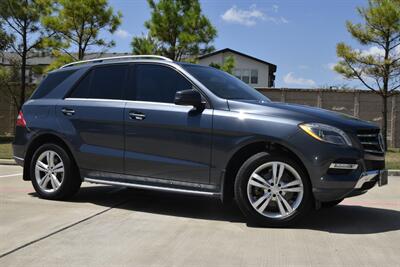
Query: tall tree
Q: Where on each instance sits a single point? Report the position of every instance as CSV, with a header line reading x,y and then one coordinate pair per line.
x,y
77,24
228,65
5,39
180,29
22,23
144,45
379,71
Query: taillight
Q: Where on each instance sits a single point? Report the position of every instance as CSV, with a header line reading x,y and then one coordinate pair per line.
x,y
20,120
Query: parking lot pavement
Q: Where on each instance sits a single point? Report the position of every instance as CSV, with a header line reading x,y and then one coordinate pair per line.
x,y
107,226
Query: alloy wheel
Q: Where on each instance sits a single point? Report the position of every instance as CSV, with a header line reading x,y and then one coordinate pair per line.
x,y
49,171
275,190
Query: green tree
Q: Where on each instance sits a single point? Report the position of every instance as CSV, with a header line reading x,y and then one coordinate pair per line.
x,y
179,29
21,19
145,45
77,25
227,66
5,39
379,71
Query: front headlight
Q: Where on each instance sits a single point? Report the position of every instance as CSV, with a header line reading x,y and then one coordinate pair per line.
x,y
326,133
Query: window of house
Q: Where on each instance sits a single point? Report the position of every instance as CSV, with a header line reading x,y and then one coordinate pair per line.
x,y
246,76
254,76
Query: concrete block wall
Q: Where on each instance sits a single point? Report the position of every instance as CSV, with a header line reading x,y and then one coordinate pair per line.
x,y
362,104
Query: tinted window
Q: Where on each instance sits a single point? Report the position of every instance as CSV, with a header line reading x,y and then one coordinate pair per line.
x,y
156,83
83,87
222,84
51,82
102,83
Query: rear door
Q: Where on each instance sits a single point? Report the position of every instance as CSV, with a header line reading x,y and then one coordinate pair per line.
x,y
92,119
164,140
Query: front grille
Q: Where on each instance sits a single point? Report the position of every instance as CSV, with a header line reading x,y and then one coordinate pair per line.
x,y
371,140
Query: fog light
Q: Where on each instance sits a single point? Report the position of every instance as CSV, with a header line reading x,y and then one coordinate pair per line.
x,y
343,166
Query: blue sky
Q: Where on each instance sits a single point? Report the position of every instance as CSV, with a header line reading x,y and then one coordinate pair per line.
x,y
299,36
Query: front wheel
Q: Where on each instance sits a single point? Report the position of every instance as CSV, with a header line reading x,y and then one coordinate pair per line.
x,y
272,190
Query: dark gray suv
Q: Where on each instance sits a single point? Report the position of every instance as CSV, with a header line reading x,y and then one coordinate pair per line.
x,y
148,122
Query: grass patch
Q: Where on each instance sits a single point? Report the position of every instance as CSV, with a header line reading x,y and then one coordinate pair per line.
x,y
393,159
5,151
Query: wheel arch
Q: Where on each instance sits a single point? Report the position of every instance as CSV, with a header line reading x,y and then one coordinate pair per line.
x,y
36,143
246,151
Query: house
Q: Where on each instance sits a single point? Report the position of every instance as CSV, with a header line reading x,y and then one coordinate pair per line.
x,y
38,61
253,71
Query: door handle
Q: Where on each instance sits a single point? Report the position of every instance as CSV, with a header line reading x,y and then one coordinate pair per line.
x,y
68,111
137,115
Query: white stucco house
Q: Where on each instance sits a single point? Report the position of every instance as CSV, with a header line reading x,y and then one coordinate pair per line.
x,y
253,71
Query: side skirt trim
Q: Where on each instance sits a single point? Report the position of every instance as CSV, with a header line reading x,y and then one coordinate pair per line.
x,y
152,187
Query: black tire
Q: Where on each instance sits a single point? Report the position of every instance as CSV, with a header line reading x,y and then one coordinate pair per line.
x,y
241,197
331,204
71,181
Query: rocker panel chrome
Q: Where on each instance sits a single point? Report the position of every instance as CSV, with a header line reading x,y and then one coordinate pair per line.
x,y
151,187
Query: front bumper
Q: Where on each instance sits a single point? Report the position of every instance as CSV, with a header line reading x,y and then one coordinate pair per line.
x,y
376,176
344,189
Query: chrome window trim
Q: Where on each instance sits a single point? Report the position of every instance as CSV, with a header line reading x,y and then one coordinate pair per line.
x,y
121,100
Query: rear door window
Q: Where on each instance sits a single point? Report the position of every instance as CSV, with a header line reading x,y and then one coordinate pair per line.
x,y
51,82
102,83
156,83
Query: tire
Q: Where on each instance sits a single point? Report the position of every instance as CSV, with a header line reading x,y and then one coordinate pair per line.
x,y
61,180
269,213
331,204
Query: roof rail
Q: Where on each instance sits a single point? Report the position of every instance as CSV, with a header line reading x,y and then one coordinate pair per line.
x,y
98,60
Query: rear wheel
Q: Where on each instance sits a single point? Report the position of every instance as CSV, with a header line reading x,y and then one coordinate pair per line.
x,y
53,173
272,190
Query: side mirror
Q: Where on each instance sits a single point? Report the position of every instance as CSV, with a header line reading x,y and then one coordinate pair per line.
x,y
189,98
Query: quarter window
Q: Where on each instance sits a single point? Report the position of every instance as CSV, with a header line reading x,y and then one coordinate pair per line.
x,y
156,83
51,82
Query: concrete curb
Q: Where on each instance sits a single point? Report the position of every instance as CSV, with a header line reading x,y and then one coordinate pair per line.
x,y
7,162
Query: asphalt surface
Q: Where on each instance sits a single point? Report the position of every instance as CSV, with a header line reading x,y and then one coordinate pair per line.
x,y
110,226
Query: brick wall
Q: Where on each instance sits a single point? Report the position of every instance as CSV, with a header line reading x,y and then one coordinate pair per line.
x,y
363,104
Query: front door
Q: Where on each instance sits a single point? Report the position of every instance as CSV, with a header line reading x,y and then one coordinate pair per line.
x,y
164,140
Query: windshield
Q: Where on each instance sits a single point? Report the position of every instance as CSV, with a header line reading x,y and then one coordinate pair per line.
x,y
223,84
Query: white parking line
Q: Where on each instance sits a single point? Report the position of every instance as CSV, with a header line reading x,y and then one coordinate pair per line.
x,y
10,175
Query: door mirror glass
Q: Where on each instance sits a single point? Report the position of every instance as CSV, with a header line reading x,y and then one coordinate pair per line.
x,y
189,98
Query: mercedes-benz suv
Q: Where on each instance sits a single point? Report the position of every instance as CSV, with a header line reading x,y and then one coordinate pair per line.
x,y
148,122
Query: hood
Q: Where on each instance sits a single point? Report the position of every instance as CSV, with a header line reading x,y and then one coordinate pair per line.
x,y
301,114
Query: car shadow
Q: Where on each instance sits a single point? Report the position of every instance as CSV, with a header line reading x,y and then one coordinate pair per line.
x,y
342,219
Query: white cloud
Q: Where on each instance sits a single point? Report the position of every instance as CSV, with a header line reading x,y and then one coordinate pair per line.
x,y
123,34
275,8
373,51
249,17
330,65
379,52
292,80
